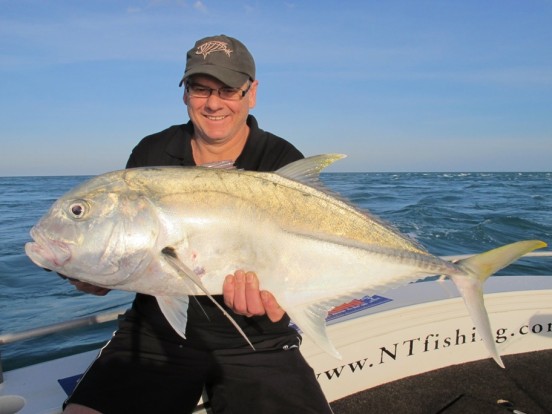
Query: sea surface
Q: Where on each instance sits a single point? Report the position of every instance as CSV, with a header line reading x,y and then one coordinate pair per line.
x,y
449,213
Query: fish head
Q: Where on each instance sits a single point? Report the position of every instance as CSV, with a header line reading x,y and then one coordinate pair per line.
x,y
102,233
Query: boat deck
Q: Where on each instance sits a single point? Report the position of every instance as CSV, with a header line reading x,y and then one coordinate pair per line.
x,y
482,387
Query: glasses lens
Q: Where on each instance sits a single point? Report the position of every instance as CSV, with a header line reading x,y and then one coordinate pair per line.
x,y
198,91
227,93
231,94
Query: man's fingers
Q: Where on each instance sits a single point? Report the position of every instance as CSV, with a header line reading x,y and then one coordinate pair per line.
x,y
88,288
272,308
228,291
242,295
240,303
252,295
233,289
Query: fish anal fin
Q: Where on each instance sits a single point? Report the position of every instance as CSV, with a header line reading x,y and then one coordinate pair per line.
x,y
311,319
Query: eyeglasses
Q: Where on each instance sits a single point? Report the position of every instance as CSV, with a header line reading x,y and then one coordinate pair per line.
x,y
226,92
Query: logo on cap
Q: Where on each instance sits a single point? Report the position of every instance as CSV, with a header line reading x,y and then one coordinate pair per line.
x,y
213,46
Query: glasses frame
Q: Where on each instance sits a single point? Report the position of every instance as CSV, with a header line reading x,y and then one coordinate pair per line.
x,y
211,90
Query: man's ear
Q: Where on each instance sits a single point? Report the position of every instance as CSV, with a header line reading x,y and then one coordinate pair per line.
x,y
252,95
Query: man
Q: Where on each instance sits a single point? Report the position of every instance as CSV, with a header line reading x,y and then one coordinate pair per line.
x,y
147,367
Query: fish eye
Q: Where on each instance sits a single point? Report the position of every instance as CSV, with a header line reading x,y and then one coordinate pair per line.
x,y
78,209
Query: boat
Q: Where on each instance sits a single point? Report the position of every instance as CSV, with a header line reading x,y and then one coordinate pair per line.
x,y
403,334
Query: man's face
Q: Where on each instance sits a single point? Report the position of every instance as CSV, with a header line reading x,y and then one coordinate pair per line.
x,y
217,120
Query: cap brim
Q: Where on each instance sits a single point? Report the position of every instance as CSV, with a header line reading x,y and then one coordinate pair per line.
x,y
227,76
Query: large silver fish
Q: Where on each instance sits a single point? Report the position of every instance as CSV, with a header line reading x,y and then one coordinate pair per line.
x,y
176,231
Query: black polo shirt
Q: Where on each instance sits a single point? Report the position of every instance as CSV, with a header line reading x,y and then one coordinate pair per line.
x,y
207,327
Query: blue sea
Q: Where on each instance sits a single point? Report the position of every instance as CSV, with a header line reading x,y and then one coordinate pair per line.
x,y
449,213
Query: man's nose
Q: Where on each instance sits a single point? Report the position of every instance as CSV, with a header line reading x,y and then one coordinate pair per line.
x,y
214,101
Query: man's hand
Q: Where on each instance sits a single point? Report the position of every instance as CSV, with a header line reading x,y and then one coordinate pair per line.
x,y
242,295
86,287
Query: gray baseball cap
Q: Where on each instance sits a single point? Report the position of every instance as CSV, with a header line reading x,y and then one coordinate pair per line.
x,y
222,57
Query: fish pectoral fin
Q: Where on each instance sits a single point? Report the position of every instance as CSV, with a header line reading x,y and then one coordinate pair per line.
x,y
175,311
311,319
479,268
170,256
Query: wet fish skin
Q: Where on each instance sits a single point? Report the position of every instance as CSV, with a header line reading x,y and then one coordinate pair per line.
x,y
311,249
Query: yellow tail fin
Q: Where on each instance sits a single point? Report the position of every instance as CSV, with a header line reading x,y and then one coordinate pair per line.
x,y
480,268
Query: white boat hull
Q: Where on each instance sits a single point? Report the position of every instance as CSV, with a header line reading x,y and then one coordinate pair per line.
x,y
404,332
408,340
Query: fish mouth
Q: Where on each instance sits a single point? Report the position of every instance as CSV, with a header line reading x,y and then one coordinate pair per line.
x,y
45,252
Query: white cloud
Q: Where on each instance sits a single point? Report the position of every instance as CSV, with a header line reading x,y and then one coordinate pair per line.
x,y
200,6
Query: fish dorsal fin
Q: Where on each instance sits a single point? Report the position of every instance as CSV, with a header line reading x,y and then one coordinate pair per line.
x,y
220,165
169,254
307,170
311,319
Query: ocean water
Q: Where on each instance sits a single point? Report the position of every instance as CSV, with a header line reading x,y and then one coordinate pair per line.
x,y
449,213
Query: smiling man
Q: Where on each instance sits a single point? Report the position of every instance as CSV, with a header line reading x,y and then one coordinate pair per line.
x,y
147,367
219,114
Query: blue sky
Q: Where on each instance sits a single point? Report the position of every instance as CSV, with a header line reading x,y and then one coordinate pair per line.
x,y
396,85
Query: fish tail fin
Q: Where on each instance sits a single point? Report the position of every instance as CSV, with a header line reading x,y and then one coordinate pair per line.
x,y
479,268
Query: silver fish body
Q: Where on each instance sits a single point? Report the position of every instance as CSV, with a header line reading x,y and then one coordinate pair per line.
x,y
311,249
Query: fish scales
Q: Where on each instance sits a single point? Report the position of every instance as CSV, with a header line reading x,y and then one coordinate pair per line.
x,y
292,205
